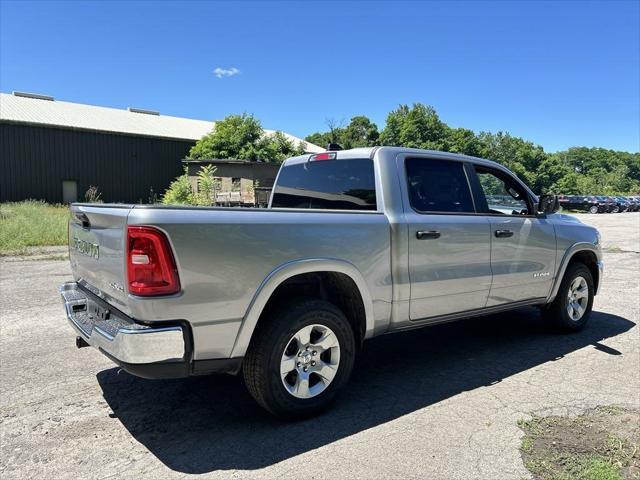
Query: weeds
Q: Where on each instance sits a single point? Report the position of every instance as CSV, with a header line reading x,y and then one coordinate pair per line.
x,y
601,444
31,223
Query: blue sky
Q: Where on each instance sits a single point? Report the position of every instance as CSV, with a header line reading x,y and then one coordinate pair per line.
x,y
559,74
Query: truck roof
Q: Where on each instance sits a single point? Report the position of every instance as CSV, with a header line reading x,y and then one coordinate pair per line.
x,y
368,152
387,152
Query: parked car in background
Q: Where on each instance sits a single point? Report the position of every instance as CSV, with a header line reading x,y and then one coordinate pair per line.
x,y
604,206
622,203
610,205
583,204
629,203
354,244
599,203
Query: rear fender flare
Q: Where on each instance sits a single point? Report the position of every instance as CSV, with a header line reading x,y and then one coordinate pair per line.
x,y
288,270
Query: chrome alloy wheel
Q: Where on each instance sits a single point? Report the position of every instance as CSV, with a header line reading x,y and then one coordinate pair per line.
x,y
577,298
310,361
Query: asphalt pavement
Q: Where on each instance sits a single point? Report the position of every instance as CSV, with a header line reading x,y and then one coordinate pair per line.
x,y
439,403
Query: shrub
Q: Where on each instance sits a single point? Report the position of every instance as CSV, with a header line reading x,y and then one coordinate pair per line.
x,y
207,187
92,195
179,191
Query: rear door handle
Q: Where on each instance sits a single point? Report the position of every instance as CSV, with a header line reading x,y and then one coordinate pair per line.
x,y
503,233
422,235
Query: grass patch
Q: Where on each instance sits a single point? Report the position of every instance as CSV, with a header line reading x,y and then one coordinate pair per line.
x,y
601,444
31,224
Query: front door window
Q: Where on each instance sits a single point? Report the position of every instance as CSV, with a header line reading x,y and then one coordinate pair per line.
x,y
502,194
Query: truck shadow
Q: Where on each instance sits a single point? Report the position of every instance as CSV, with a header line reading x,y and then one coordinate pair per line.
x,y
202,424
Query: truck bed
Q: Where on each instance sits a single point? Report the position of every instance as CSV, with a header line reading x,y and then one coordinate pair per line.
x,y
224,256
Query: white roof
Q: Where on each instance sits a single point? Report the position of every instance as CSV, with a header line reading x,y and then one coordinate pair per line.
x,y
90,117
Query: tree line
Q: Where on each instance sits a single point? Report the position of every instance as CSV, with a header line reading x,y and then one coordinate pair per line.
x,y
578,170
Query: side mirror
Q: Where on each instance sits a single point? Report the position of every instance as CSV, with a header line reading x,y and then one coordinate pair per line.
x,y
548,204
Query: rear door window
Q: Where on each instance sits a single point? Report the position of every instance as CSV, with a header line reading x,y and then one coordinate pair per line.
x,y
438,186
327,184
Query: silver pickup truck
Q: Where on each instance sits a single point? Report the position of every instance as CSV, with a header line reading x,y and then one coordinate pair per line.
x,y
354,244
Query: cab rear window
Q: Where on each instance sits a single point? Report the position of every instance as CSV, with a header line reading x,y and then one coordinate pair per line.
x,y
327,184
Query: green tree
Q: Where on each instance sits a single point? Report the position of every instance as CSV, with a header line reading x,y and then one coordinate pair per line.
x,y
549,173
322,139
568,185
277,147
241,137
600,171
505,148
233,137
587,186
335,134
415,127
519,155
361,132
463,140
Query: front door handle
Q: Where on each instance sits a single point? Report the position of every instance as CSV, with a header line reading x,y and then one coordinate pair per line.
x,y
422,235
503,233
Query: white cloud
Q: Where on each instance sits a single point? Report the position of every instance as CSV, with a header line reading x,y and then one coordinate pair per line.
x,y
226,72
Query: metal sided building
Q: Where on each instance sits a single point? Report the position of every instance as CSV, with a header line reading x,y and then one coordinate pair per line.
x,y
54,151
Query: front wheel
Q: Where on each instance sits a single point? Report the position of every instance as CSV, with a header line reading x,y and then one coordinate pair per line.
x,y
571,309
299,358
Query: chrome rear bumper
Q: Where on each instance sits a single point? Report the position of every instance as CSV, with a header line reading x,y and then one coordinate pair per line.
x,y
117,335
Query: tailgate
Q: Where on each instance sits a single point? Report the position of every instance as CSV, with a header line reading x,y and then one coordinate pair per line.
x,y
96,249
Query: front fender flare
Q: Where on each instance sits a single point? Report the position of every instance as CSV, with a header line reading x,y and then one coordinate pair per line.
x,y
288,270
568,255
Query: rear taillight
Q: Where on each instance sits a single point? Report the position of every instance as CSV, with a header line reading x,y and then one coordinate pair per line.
x,y
151,268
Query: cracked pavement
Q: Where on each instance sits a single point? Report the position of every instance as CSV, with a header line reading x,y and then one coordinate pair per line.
x,y
441,402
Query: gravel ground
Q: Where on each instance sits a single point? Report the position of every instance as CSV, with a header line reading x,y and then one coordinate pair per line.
x,y
435,403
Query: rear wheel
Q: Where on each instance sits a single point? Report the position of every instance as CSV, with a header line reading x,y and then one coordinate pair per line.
x,y
571,309
593,209
299,359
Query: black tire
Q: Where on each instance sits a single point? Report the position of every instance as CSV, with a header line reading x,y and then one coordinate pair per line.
x,y
593,209
261,365
556,312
